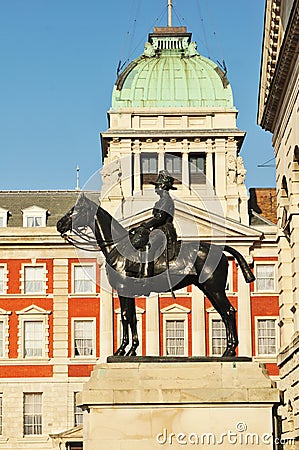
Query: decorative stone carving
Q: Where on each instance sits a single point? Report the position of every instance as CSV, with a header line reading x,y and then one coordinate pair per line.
x,y
191,50
241,171
111,174
149,50
231,169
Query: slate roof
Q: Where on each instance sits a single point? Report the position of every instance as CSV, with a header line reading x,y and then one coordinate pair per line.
x,y
57,203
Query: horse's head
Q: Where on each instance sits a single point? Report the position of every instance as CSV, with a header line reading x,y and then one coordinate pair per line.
x,y
81,215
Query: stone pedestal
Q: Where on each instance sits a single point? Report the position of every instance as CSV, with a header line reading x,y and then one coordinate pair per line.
x,y
175,403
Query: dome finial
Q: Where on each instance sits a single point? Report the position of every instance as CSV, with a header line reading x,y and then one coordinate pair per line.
x,y
170,13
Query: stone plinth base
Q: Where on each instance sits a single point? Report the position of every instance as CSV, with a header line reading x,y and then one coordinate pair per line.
x,y
170,405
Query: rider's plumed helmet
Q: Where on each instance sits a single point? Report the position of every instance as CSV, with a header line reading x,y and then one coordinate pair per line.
x,y
164,181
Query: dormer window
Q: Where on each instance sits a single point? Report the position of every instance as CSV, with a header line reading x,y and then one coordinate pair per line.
x,y
3,217
34,216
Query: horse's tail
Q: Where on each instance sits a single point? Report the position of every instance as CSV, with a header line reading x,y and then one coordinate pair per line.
x,y
248,275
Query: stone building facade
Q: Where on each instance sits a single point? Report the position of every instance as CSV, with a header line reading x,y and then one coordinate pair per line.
x,y
171,108
279,114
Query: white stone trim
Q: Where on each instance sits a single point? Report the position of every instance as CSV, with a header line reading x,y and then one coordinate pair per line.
x,y
80,319
139,312
5,319
176,312
4,217
33,313
5,278
44,281
230,280
34,211
212,315
266,355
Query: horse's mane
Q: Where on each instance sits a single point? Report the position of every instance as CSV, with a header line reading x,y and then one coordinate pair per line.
x,y
110,227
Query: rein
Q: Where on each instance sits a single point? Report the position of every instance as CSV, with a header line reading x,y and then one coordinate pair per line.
x,y
90,244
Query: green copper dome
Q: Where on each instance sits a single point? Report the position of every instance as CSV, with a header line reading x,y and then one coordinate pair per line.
x,y
171,73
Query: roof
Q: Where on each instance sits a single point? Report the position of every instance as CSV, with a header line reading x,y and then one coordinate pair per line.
x,y
56,203
262,206
171,73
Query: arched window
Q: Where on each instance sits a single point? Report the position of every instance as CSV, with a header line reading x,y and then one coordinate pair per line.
x,y
284,188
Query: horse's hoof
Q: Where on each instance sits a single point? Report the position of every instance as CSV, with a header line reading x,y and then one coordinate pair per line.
x,y
229,352
120,352
131,352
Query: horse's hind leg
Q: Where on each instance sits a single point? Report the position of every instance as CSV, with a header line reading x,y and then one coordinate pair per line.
x,y
228,314
124,307
133,325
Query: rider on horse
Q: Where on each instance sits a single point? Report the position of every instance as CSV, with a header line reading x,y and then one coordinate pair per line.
x,y
162,219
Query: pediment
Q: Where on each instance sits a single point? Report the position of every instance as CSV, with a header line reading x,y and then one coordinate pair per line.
x,y
34,209
33,309
3,312
193,223
75,433
175,308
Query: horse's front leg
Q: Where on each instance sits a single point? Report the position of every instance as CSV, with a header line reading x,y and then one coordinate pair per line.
x,y
229,318
124,307
132,318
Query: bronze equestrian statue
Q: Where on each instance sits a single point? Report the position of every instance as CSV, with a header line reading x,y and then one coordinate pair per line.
x,y
138,264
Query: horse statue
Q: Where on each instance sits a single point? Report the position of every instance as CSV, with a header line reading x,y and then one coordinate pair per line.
x,y
198,263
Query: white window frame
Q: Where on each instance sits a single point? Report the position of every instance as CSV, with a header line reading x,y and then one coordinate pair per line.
x,y
30,314
4,318
93,328
175,312
4,217
139,312
92,279
229,280
34,212
23,279
266,355
78,412
40,396
4,280
213,315
265,291
1,414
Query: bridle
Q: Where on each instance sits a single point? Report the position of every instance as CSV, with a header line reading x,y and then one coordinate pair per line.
x,y
84,241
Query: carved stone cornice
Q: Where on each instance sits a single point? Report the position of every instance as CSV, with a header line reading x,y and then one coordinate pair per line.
x,y
279,72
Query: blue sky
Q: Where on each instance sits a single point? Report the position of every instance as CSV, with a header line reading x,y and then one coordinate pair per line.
x,y
59,61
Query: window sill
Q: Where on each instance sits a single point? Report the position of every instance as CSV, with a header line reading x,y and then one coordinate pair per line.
x,y
83,360
23,361
266,358
35,438
22,295
84,295
264,293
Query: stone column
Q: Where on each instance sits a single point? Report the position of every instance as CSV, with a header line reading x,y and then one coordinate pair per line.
x,y
185,165
244,316
106,317
295,264
198,323
285,281
161,155
137,168
209,165
152,326
220,168
60,318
